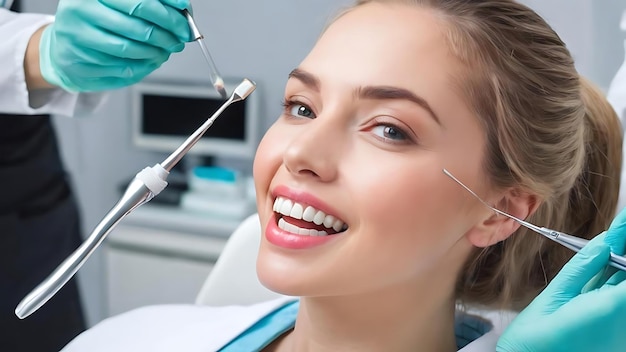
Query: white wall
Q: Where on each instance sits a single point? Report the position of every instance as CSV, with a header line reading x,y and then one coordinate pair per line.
x,y
590,28
263,41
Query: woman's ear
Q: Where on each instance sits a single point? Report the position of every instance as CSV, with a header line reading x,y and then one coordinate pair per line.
x,y
498,227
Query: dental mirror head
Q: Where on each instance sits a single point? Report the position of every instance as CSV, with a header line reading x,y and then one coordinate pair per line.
x,y
243,90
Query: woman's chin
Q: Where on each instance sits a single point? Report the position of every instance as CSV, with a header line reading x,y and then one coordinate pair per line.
x,y
278,280
287,280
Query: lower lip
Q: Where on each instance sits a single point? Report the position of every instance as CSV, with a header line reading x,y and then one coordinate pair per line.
x,y
281,238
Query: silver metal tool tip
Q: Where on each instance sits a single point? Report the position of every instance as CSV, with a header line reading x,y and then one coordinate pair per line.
x,y
243,89
20,312
449,174
29,304
496,210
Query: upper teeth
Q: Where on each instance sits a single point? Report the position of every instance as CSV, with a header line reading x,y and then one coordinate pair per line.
x,y
295,210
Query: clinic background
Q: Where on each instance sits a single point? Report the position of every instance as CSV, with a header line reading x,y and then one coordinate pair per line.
x,y
263,41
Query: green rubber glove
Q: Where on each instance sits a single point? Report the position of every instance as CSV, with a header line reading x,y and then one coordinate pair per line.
x,y
96,45
583,309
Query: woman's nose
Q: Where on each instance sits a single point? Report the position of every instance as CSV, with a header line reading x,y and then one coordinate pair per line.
x,y
316,150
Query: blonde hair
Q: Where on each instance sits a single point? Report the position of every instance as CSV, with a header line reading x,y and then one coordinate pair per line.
x,y
548,131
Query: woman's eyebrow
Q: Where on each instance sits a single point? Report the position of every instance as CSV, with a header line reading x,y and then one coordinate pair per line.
x,y
369,92
306,78
390,92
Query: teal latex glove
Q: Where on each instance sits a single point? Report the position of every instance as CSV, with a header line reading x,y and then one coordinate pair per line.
x,y
96,45
569,315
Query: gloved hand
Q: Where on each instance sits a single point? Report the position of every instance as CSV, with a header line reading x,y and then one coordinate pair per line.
x,y
96,45
567,315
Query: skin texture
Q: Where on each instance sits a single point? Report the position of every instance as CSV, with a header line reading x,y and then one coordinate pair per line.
x,y
387,282
32,73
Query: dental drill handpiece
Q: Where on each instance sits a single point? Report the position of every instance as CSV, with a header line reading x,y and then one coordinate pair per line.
x,y
216,78
148,183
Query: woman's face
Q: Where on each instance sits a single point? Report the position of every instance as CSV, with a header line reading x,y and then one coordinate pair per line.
x,y
350,189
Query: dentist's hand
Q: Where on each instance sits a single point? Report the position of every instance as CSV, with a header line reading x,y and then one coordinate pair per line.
x,y
583,309
96,45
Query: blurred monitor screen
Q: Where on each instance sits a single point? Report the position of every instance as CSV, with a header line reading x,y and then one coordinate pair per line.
x,y
165,114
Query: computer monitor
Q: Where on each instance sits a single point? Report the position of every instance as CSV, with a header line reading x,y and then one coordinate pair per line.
x,y
164,114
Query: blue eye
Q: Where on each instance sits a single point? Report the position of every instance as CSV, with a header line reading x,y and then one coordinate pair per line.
x,y
297,109
389,132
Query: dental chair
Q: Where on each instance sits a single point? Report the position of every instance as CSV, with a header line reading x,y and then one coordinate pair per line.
x,y
233,280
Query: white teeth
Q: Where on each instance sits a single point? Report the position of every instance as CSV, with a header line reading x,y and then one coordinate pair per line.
x,y
285,226
319,217
277,204
295,210
329,220
309,214
285,208
338,225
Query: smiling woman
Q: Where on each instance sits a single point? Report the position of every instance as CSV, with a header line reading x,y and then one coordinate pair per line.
x,y
359,221
367,128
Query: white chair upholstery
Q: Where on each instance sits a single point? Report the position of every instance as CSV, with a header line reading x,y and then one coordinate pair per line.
x,y
233,280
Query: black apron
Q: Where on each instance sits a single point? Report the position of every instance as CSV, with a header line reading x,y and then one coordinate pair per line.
x,y
39,228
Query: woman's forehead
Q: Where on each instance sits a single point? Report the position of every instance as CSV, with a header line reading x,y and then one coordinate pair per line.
x,y
395,40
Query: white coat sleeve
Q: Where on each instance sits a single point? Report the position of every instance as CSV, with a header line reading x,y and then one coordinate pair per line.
x,y
617,97
15,31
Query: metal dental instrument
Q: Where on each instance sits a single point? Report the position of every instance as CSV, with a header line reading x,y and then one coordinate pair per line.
x,y
148,183
572,242
216,79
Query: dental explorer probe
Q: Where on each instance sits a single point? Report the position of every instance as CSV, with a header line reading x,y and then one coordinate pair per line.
x,y
572,242
148,183
216,79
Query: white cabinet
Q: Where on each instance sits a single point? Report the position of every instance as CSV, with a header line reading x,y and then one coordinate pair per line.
x,y
161,255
